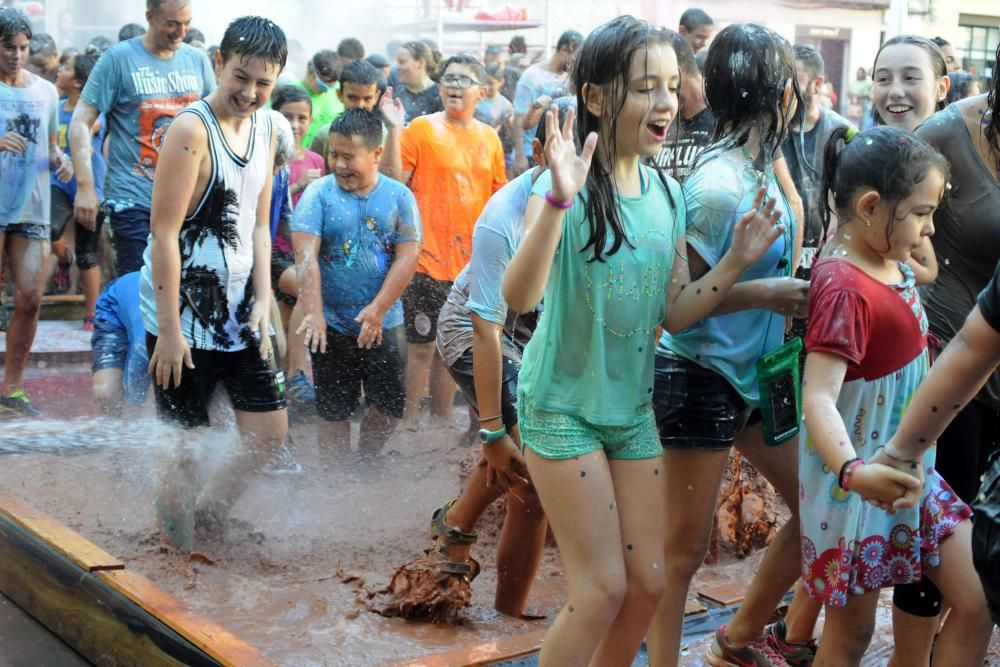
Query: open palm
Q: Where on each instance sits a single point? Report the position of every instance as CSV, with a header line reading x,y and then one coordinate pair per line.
x,y
757,230
569,168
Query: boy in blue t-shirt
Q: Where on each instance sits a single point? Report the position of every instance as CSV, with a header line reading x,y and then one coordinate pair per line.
x,y
356,235
121,364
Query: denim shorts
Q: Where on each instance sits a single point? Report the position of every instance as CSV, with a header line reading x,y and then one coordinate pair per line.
x,y
27,230
556,436
113,349
697,408
461,373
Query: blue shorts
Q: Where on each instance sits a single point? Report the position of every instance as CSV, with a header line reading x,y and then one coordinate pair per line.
x,y
461,373
111,348
556,436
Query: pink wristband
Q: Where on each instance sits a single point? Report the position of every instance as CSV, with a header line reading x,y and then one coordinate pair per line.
x,y
558,203
845,476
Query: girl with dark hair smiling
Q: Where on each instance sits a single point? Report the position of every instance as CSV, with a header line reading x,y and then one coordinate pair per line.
x,y
604,242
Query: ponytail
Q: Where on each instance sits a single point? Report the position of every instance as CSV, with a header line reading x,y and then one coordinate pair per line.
x,y
831,154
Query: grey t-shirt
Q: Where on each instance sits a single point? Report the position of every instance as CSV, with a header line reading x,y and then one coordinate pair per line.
x,y
140,94
967,234
24,177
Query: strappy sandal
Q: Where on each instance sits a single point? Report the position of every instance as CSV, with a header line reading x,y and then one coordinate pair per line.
x,y
444,536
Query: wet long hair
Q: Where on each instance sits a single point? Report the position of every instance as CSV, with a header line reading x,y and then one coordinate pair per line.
x,y
604,60
746,72
939,66
991,121
886,159
13,22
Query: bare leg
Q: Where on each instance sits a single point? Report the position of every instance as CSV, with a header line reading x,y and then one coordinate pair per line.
x,y
375,431
585,521
641,510
800,622
781,564
334,441
914,638
520,551
297,355
108,390
261,436
443,388
91,281
418,367
692,478
27,266
966,633
847,632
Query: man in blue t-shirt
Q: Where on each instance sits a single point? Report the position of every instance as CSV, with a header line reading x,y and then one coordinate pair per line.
x,y
356,235
139,84
120,369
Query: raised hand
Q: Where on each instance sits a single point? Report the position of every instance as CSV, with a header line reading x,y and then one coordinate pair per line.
x,y
757,230
391,108
569,169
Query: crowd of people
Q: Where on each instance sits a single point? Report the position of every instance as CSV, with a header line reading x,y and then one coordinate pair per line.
x,y
628,257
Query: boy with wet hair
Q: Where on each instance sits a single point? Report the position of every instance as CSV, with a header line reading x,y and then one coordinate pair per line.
x,y
320,81
453,163
206,276
357,240
696,27
28,149
350,49
43,58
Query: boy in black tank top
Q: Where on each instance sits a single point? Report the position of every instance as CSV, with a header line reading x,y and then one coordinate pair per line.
x,y
209,254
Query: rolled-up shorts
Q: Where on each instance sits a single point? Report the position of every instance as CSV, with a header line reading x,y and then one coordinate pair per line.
x,y
556,436
697,408
112,349
461,373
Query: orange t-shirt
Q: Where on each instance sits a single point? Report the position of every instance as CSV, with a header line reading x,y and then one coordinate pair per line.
x,y
455,172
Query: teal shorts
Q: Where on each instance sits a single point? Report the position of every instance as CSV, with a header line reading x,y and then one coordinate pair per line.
x,y
552,435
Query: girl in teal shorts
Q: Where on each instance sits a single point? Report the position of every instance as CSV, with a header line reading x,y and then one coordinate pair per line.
x,y
605,246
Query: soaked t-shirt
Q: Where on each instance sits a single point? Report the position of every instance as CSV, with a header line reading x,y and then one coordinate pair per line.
x,y
30,111
536,81
425,102
684,143
455,172
140,94
479,287
967,234
358,243
718,193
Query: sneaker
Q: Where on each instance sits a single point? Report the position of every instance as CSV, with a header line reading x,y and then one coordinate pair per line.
x,y
757,653
299,389
795,654
88,324
19,405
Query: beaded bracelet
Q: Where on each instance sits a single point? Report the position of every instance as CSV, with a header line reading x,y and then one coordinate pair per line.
x,y
843,480
558,203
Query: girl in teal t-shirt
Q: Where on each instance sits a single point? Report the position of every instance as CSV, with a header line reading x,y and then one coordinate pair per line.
x,y
605,244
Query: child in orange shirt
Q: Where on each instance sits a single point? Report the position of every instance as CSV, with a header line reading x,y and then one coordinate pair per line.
x,y
453,163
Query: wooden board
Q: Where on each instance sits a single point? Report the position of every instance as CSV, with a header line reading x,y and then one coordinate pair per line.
x,y
725,595
507,648
215,640
84,553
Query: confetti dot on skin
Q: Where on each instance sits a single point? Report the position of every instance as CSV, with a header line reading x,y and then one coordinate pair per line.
x,y
956,407
698,291
715,289
629,547
922,440
583,473
690,487
611,506
656,471
683,287
571,609
933,408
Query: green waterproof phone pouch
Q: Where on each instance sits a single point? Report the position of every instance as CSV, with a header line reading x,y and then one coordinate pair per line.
x,y
780,386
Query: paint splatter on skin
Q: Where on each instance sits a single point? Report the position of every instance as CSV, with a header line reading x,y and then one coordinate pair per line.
x,y
656,471
934,408
583,473
698,291
629,547
714,288
956,407
611,506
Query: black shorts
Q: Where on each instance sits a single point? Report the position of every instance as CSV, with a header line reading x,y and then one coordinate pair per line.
x,y
461,373
422,303
986,537
280,262
697,408
87,241
341,372
253,384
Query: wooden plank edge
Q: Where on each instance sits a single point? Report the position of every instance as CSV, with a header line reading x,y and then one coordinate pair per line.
x,y
489,653
212,638
66,541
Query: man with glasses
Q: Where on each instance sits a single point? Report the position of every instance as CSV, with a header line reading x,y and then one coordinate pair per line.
x,y
453,163
320,82
139,84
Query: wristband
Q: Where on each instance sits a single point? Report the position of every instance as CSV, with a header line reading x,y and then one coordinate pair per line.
x,y
558,203
489,419
898,459
487,436
843,480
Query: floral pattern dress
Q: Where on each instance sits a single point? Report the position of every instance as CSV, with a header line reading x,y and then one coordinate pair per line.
x,y
849,546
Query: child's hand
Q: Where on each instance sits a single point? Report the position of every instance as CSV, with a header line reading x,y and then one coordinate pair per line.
x,y
914,468
788,296
391,109
756,231
260,325
884,486
569,170
314,328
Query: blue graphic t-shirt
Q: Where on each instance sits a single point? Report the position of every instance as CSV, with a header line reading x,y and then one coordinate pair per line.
x,y
24,177
359,237
96,144
140,94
